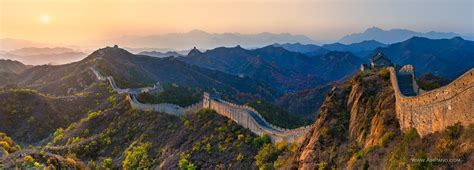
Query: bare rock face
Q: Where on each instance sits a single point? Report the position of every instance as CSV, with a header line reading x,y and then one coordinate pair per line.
x,y
353,117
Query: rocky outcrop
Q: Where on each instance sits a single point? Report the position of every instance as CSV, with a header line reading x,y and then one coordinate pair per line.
x,y
368,122
353,117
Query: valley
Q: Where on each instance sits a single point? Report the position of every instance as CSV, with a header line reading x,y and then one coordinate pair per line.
x,y
231,108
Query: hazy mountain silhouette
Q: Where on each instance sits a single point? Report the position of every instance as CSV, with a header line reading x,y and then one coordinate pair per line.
x,y
359,49
392,35
8,44
37,51
208,40
366,45
46,55
302,48
160,54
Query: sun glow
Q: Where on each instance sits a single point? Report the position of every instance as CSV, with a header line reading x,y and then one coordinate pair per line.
x,y
45,19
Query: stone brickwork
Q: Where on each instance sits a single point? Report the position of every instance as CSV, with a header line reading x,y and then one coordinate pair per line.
x,y
241,114
251,119
119,90
434,110
168,108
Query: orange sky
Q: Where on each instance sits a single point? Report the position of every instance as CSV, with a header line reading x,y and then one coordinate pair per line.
x,y
73,21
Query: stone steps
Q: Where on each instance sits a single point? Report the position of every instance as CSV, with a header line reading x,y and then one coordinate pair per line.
x,y
405,84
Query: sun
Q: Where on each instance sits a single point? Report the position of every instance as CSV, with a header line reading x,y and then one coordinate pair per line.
x,y
45,19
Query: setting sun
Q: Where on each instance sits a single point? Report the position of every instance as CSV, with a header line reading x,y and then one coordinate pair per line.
x,y
45,19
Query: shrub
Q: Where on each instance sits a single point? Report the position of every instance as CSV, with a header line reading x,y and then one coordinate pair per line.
x,y
91,164
187,123
112,99
384,73
454,131
387,136
208,148
398,156
240,157
93,114
75,139
266,156
71,126
58,135
411,136
28,159
240,137
5,145
185,164
260,141
137,157
106,163
29,163
362,153
221,147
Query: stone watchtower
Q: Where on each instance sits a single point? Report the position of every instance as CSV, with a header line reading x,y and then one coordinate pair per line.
x,y
377,61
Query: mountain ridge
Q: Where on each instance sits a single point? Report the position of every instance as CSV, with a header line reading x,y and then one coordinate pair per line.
x,y
276,66
208,40
393,35
446,57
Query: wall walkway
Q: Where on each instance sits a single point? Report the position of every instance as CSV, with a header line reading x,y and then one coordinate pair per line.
x,y
241,114
434,110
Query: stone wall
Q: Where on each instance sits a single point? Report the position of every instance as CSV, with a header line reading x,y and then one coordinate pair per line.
x,y
120,90
434,110
168,108
241,114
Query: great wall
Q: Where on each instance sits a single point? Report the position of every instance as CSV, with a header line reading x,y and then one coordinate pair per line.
x,y
433,110
427,112
243,115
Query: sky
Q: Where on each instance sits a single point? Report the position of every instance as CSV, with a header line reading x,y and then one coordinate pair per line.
x,y
76,21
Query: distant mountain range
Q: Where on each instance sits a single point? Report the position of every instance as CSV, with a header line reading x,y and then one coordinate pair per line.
x,y
8,44
365,45
160,54
208,40
359,49
448,58
39,56
393,35
278,67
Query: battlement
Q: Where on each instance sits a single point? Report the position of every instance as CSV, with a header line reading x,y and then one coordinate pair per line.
x,y
244,115
434,110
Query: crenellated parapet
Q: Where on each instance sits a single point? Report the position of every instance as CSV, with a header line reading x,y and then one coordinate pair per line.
x,y
114,86
251,119
434,110
243,115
